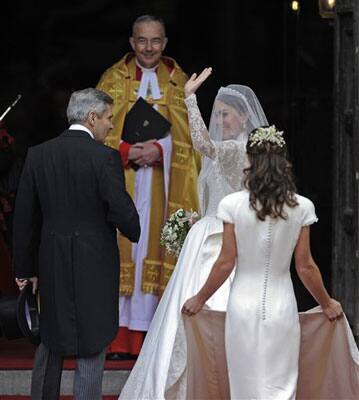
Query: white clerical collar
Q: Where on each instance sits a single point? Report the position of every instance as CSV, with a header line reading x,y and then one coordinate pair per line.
x,y
153,69
149,84
79,127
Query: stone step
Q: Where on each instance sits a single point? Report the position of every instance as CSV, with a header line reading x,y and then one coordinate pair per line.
x,y
17,382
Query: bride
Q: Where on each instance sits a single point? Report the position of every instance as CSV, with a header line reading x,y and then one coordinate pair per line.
x,y
161,366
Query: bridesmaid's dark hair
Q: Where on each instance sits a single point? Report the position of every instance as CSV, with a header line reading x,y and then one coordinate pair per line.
x,y
269,179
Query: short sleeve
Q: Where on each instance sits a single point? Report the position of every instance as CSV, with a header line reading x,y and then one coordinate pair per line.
x,y
225,210
309,216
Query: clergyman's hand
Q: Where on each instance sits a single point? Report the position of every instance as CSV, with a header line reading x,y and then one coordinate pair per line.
x,y
194,82
149,154
135,152
21,283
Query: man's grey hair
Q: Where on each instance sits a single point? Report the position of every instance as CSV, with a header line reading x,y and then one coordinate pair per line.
x,y
148,18
82,102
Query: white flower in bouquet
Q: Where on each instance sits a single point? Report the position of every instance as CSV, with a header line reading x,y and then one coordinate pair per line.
x,y
175,230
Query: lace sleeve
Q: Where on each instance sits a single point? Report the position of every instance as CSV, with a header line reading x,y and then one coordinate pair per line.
x,y
232,159
199,133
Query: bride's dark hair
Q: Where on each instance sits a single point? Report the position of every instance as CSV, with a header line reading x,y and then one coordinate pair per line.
x,y
269,179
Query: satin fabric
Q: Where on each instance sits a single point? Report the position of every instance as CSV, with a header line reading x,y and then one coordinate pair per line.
x,y
328,362
162,362
169,365
262,334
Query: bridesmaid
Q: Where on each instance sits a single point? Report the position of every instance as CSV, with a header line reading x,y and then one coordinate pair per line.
x,y
263,225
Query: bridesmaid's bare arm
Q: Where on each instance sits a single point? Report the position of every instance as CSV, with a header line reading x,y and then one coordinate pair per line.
x,y
219,273
311,277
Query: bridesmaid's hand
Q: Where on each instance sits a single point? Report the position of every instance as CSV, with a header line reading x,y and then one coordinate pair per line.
x,y
333,310
194,82
192,306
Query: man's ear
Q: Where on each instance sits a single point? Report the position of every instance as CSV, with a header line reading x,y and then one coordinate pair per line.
x,y
132,42
91,118
165,41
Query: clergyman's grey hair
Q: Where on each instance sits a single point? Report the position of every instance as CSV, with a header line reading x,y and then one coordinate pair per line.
x,y
148,18
84,101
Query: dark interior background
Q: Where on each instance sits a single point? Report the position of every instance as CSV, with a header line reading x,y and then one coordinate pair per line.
x,y
49,50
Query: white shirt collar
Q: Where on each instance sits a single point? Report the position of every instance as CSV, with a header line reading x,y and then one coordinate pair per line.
x,y
79,127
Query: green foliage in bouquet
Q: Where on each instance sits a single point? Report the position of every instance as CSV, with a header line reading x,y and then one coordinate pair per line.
x,y
175,230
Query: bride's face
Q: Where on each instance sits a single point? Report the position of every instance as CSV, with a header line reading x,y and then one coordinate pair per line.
x,y
233,123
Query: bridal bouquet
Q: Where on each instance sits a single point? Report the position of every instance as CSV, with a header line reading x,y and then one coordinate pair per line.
x,y
175,230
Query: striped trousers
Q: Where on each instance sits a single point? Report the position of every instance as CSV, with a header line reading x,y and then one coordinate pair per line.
x,y
47,370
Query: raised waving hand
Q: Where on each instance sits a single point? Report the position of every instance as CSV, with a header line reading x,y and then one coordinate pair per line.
x,y
194,82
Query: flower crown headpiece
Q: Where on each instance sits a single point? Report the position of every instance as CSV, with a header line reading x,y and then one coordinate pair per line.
x,y
268,134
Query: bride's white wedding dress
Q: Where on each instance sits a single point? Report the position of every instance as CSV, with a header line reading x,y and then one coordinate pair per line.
x,y
161,365
173,366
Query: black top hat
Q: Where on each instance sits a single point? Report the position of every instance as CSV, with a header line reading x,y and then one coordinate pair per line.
x,y
19,316
8,318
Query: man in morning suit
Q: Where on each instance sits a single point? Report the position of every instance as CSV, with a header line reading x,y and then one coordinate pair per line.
x,y
70,201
